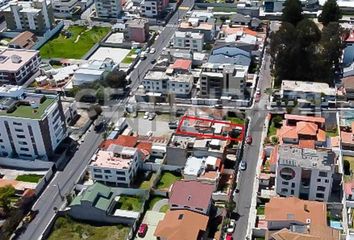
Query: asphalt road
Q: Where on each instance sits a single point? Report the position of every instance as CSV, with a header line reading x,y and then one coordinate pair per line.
x,y
251,153
63,182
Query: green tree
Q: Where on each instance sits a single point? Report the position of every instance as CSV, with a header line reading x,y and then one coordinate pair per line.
x,y
330,12
5,194
292,12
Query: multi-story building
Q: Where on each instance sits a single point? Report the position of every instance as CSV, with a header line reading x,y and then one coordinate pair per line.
x,y
32,125
138,30
35,16
65,8
180,85
156,81
115,166
189,40
217,80
153,8
305,173
108,9
18,65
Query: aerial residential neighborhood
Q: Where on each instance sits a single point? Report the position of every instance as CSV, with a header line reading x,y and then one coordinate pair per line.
x,y
177,120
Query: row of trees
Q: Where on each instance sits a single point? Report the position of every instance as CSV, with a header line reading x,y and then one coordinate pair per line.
x,y
301,51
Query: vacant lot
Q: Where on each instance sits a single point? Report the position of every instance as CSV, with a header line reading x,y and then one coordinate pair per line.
x,y
75,46
66,228
129,203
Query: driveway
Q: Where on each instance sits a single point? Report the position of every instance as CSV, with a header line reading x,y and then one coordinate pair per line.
x,y
151,218
159,204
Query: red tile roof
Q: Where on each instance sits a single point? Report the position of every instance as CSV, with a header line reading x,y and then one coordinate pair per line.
x,y
184,64
191,193
307,144
122,140
304,118
144,147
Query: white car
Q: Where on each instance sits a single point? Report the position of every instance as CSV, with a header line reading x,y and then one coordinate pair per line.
x,y
232,226
152,51
146,115
151,116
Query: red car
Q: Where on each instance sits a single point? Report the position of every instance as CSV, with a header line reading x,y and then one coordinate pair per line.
x,y
142,230
229,237
249,140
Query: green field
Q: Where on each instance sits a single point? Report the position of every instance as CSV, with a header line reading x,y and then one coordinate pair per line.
x,y
167,179
66,228
33,178
62,47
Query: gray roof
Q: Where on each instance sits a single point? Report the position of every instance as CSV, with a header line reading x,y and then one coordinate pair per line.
x,y
240,18
230,54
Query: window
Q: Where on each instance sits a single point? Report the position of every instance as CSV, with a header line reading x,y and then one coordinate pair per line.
x,y
318,179
323,174
326,181
107,171
97,176
97,170
121,178
21,136
319,195
24,149
285,183
18,130
284,190
321,188
120,172
292,185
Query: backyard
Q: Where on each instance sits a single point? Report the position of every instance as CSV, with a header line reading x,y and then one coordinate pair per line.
x,y
129,203
130,57
32,178
167,179
79,42
348,165
145,185
236,120
66,228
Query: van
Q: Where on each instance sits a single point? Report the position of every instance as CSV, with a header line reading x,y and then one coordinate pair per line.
x,y
120,125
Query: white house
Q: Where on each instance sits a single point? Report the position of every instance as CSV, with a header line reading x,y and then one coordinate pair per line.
x,y
189,40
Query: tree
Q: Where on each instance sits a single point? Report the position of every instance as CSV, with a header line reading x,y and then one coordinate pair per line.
x,y
292,12
330,12
5,194
346,166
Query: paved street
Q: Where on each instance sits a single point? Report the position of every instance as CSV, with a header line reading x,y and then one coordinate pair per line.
x,y
251,154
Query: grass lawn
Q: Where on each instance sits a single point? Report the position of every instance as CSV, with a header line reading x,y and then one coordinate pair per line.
x,y
154,200
62,47
236,120
260,210
66,228
145,185
167,179
272,130
129,59
33,178
129,203
164,208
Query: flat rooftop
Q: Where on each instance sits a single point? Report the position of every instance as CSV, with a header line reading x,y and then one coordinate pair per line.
x,y
11,60
109,159
32,107
301,86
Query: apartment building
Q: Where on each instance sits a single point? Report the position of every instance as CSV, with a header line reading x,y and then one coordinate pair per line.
x,y
138,30
108,8
180,85
18,65
32,125
293,218
153,8
35,16
189,40
305,173
217,80
66,8
116,166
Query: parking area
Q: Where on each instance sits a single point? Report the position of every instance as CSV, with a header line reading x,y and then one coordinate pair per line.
x,y
159,126
151,218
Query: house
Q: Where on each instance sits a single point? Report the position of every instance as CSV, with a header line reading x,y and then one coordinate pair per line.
x,y
180,85
18,65
25,40
97,203
191,195
293,218
92,71
138,30
182,66
35,16
231,55
304,131
189,40
203,169
349,193
222,80
66,8
200,22
305,173
32,125
178,149
348,85
182,225
153,8
310,92
347,138
116,166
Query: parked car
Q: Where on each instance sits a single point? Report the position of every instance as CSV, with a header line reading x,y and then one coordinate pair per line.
x,y
146,115
153,50
147,50
153,61
173,125
229,237
152,116
30,216
218,106
142,230
243,166
249,140
231,227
